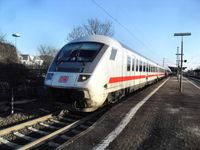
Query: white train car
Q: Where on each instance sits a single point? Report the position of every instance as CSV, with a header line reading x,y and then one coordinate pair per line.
x,y
93,70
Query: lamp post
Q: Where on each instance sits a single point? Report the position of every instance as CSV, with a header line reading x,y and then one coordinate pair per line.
x,y
15,35
181,69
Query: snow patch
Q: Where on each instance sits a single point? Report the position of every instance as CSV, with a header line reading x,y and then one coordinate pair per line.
x,y
194,130
173,110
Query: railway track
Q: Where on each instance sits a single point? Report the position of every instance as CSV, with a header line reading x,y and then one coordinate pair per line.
x,y
195,79
47,132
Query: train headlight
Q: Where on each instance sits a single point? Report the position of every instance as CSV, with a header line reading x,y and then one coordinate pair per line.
x,y
83,78
49,76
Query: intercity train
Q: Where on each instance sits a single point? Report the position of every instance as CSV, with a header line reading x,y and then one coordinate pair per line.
x,y
95,70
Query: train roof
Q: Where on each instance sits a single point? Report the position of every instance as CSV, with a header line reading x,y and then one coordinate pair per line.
x,y
108,41
97,38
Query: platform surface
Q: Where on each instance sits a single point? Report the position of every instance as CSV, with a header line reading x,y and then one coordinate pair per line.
x,y
167,120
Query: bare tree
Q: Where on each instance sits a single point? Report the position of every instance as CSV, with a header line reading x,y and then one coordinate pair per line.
x,y
8,53
2,38
93,26
47,54
77,32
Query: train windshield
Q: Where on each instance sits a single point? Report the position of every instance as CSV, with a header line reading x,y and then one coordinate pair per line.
x,y
79,52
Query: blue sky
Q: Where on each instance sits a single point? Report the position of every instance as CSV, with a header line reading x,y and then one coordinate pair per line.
x,y
151,24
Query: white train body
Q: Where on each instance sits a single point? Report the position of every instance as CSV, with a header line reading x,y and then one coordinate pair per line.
x,y
95,69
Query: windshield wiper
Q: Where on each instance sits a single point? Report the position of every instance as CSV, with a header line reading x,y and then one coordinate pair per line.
x,y
60,61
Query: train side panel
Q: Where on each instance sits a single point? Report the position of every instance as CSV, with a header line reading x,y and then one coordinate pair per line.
x,y
115,71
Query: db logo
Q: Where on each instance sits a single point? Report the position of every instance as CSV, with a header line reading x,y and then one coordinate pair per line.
x,y
63,79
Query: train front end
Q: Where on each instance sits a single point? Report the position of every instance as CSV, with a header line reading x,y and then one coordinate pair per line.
x,y
68,77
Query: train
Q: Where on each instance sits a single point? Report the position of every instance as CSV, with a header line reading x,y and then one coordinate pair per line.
x,y
92,71
193,73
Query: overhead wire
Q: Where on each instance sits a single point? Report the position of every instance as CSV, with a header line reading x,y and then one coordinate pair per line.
x,y
123,26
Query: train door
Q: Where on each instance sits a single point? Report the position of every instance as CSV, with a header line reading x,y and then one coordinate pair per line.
x,y
128,74
137,73
133,72
147,71
124,72
140,72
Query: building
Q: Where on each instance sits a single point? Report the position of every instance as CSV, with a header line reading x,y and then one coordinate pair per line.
x,y
30,60
25,59
37,61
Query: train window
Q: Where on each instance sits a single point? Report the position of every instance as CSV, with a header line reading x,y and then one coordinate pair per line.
x,y
128,63
133,64
79,52
140,66
136,64
144,67
149,68
113,54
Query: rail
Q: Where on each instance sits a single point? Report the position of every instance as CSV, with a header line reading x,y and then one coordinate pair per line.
x,y
60,126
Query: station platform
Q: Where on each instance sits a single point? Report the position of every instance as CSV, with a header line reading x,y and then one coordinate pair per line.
x,y
166,119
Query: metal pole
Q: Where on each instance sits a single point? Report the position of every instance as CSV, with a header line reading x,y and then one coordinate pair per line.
x,y
12,103
181,71
163,62
12,98
16,35
16,43
177,60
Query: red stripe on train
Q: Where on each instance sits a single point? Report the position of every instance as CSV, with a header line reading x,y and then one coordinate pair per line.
x,y
128,78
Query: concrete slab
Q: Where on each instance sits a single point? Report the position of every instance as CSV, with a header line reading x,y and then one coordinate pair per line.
x,y
168,120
